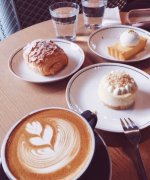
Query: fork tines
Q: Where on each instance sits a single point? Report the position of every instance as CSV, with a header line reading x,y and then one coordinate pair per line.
x,y
133,134
128,123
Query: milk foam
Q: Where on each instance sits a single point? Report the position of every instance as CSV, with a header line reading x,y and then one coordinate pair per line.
x,y
49,147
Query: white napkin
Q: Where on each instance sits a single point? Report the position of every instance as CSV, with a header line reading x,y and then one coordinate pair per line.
x,y
111,17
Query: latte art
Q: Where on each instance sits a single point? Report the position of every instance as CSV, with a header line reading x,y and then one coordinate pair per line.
x,y
50,144
46,150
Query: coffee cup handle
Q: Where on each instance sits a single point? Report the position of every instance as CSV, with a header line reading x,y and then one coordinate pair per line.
x,y
90,117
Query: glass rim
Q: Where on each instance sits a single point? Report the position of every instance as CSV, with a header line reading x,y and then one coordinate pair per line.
x,y
66,4
95,2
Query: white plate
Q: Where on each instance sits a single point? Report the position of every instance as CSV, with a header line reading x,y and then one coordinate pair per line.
x,y
104,37
82,94
74,52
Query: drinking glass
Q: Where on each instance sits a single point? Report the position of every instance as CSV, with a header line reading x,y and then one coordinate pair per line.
x,y
65,16
93,11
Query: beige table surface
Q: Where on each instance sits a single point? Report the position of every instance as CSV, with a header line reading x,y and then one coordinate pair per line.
x,y
18,98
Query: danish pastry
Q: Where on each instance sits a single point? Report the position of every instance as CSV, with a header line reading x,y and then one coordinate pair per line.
x,y
45,57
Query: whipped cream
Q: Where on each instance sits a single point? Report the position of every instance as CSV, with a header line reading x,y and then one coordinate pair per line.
x,y
119,83
129,38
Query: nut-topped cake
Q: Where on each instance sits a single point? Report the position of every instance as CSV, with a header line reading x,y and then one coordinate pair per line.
x,y
45,57
117,90
130,44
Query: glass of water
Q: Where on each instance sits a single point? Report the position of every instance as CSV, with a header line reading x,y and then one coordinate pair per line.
x,y
93,11
65,16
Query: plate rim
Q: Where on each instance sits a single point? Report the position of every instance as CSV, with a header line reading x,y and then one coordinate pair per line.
x,y
10,61
117,26
67,94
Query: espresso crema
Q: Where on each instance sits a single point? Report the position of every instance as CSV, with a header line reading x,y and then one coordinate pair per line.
x,y
50,144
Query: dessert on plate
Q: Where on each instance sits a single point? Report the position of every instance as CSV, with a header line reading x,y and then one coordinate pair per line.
x,y
45,57
130,44
117,90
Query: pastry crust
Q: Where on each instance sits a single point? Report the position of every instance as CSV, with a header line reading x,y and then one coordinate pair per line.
x,y
45,57
124,53
120,107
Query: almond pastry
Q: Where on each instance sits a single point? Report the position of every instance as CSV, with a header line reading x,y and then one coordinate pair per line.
x,y
45,57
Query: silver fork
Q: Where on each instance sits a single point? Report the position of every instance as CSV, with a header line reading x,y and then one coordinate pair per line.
x,y
133,134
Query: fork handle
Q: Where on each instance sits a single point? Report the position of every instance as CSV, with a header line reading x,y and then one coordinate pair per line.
x,y
141,165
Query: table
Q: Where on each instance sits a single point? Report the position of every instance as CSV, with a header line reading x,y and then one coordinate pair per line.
x,y
18,98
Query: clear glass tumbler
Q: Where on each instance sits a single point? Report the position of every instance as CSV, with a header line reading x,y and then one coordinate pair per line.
x,y
93,11
65,16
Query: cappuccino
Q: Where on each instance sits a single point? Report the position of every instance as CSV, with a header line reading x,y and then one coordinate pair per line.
x,y
50,144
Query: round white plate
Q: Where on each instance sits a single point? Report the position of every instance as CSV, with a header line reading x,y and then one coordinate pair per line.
x,y
104,37
82,94
74,52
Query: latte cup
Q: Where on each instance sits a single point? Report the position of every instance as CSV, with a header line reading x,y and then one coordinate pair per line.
x,y
51,143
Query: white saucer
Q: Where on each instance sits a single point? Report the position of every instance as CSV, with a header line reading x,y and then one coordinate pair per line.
x,y
104,37
82,94
76,58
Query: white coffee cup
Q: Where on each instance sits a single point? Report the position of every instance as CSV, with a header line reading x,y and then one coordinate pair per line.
x,y
50,133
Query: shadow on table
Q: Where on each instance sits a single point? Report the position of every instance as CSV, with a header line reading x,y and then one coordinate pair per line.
x,y
119,140
2,174
100,167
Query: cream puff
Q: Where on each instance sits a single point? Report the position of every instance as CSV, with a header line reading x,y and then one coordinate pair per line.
x,y
117,90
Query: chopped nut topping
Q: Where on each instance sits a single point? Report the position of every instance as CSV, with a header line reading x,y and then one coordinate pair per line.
x,y
120,83
38,50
